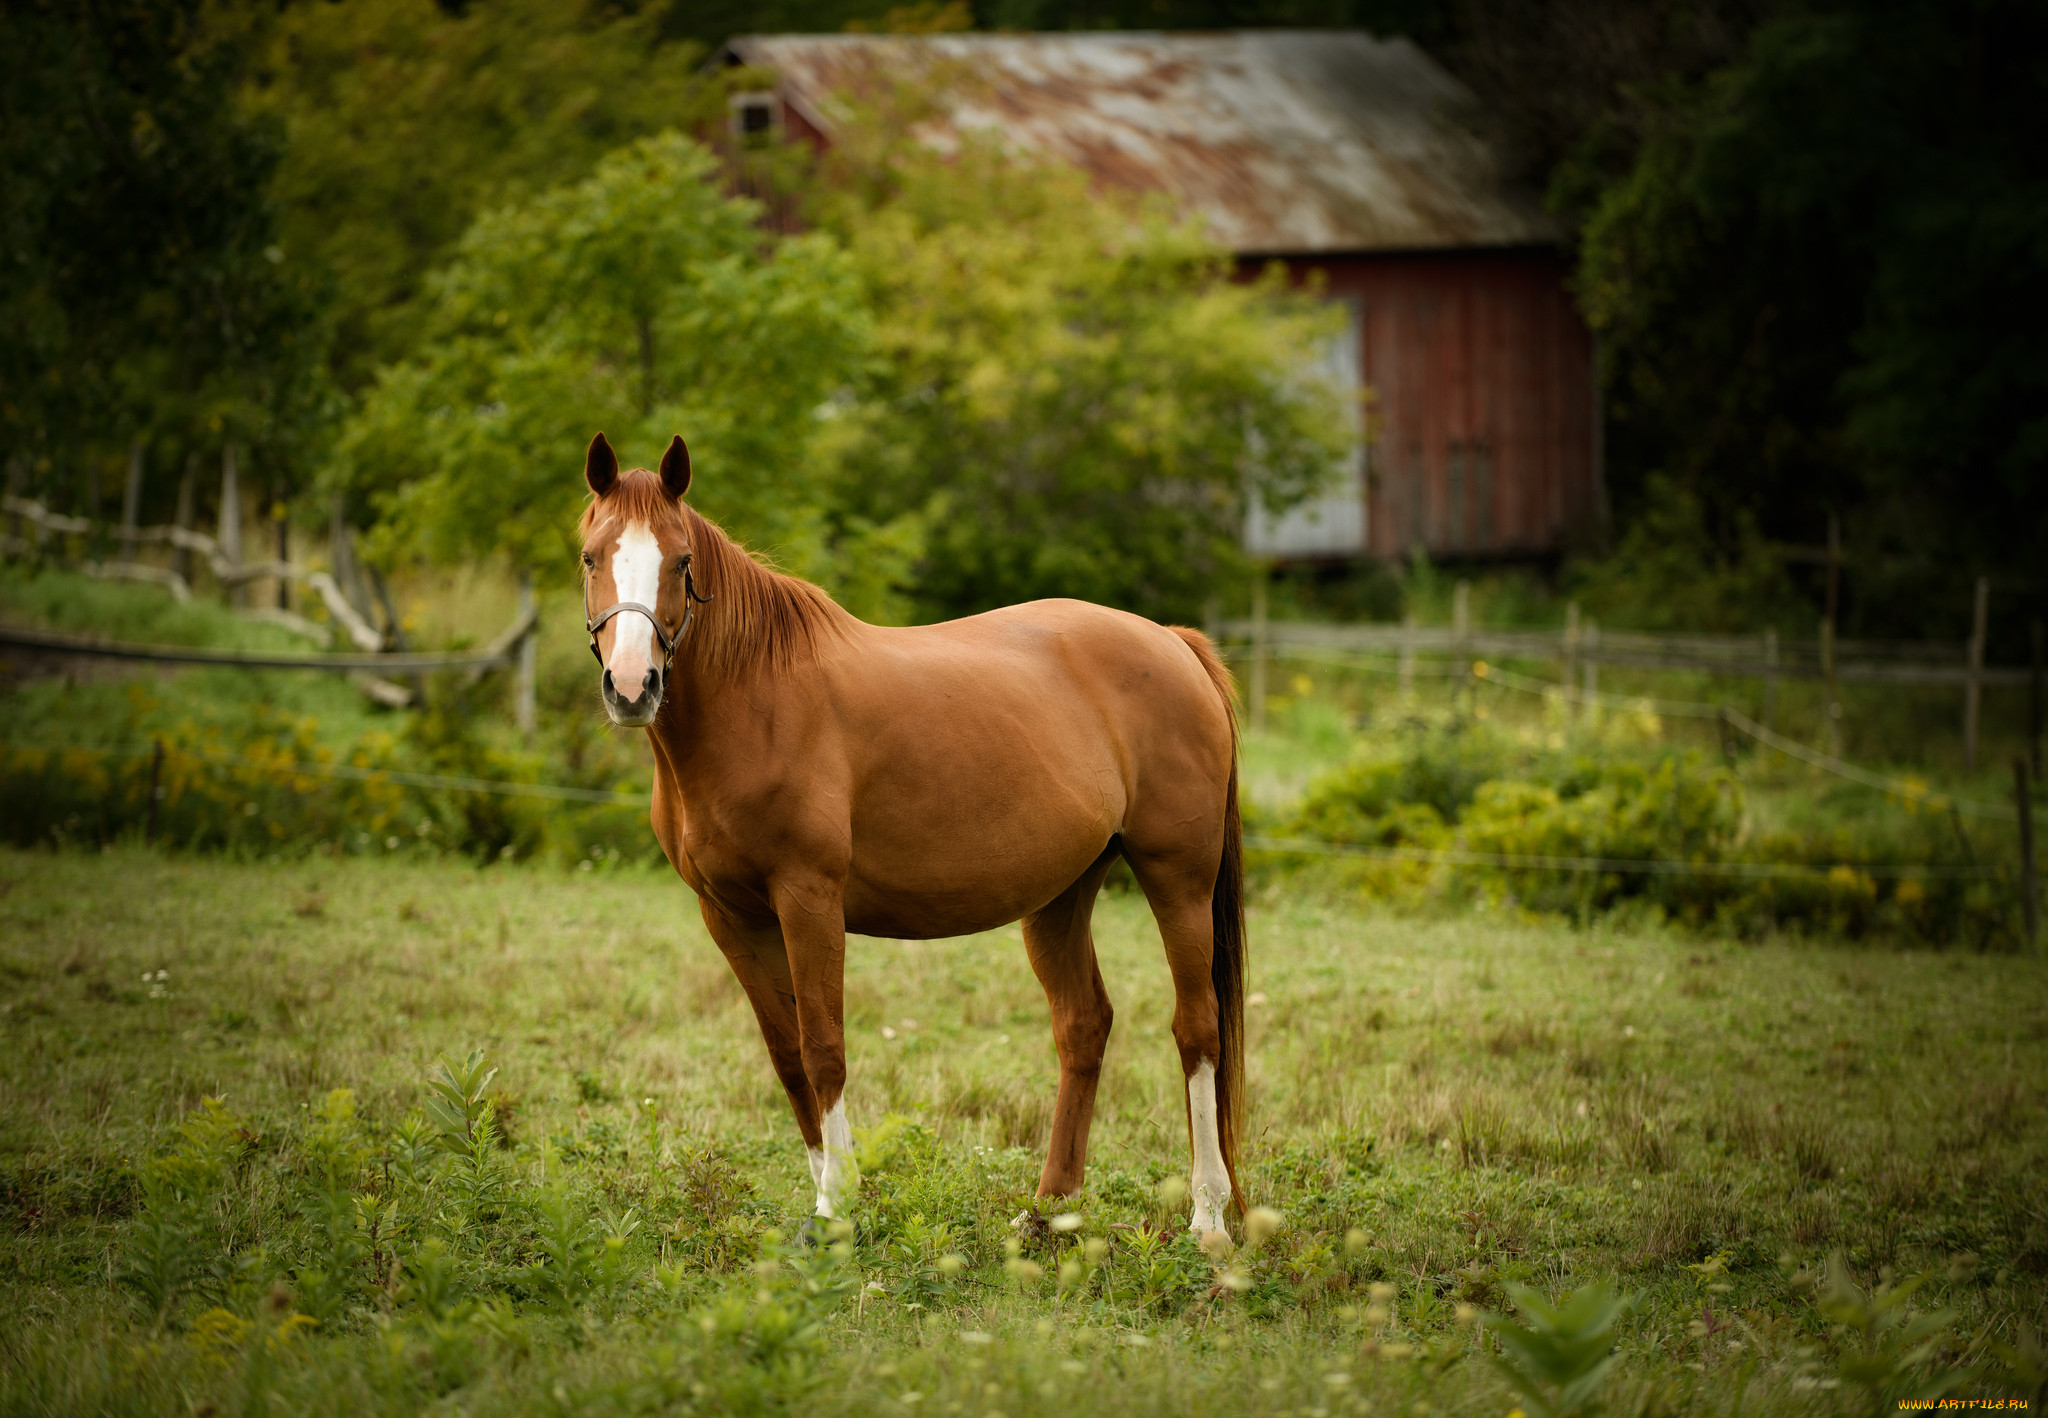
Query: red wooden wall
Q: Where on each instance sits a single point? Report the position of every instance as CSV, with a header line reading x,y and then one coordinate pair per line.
x,y
1484,413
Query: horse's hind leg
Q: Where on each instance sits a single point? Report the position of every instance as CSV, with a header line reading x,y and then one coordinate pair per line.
x,y
1062,951
1178,885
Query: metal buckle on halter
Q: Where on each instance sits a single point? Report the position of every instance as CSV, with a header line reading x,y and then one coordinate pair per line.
x,y
668,642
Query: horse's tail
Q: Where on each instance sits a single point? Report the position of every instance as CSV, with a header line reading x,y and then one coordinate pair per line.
x,y
1226,908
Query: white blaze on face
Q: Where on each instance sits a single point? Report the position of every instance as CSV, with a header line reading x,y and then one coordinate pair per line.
x,y
1212,1178
636,576
832,1168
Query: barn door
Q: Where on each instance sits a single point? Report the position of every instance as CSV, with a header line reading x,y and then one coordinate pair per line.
x,y
1332,523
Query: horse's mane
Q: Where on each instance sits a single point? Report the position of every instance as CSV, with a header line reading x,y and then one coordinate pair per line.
x,y
757,615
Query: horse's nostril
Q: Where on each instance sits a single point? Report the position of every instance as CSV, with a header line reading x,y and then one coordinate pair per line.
x,y
651,685
609,687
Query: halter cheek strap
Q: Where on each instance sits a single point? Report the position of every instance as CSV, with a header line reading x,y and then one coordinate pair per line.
x,y
668,641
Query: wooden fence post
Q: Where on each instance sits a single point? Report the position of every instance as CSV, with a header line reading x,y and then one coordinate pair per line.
x,y
181,559
1407,662
523,707
156,782
131,498
1770,676
1830,627
1259,650
1973,688
230,539
2034,706
1571,662
1590,694
2030,887
1461,613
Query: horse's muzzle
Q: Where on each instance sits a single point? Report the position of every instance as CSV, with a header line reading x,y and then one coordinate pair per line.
x,y
638,712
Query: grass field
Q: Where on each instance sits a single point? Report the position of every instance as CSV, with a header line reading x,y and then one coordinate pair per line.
x,y
1442,1108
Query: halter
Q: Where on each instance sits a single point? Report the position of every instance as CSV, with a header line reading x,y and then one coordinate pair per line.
x,y
691,600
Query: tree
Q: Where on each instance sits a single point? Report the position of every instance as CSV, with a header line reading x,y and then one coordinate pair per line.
x,y
638,301
1072,392
143,287
1821,282
407,119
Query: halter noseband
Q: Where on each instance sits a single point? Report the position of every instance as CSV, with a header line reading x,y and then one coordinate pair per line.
x,y
691,600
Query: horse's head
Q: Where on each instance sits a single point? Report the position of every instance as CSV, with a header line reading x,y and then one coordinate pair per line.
x,y
636,582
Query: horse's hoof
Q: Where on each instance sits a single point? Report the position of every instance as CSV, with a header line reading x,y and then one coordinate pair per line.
x,y
812,1233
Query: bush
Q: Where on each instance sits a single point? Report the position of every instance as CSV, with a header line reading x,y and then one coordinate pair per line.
x,y
1467,787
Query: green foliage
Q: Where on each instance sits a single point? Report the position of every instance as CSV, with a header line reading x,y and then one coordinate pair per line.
x,y
144,291
640,301
1070,391
406,120
1562,1357
1816,279
1670,571
458,1101
1887,1348
78,761
1470,786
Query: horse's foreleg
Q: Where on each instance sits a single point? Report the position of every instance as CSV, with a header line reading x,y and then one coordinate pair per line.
x,y
813,915
1062,951
760,962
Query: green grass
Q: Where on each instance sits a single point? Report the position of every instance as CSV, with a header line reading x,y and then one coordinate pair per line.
x,y
1485,1103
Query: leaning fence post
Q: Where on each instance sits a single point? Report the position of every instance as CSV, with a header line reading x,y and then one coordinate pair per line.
x,y
2030,888
523,709
1973,688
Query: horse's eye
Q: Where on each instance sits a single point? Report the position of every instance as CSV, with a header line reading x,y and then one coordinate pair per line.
x,y
589,560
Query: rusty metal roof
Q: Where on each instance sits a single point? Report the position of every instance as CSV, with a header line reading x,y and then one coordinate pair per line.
x,y
1282,141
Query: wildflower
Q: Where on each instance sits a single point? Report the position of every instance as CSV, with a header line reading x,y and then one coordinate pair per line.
x,y
975,1336
1354,1241
1172,1192
1262,1224
1067,1221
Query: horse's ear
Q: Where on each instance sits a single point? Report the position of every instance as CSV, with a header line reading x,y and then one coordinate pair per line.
x,y
601,466
675,468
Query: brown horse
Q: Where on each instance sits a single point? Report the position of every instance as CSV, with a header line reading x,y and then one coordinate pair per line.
x,y
816,775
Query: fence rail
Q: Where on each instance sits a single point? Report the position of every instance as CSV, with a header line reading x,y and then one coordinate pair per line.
x,y
512,647
1736,656
502,651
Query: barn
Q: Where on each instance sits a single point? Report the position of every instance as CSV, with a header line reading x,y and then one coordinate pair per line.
x,y
1332,152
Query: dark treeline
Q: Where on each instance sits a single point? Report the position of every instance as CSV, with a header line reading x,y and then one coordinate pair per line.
x,y
1813,238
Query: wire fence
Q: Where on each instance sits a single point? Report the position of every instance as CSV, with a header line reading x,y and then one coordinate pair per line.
x,y
1918,793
